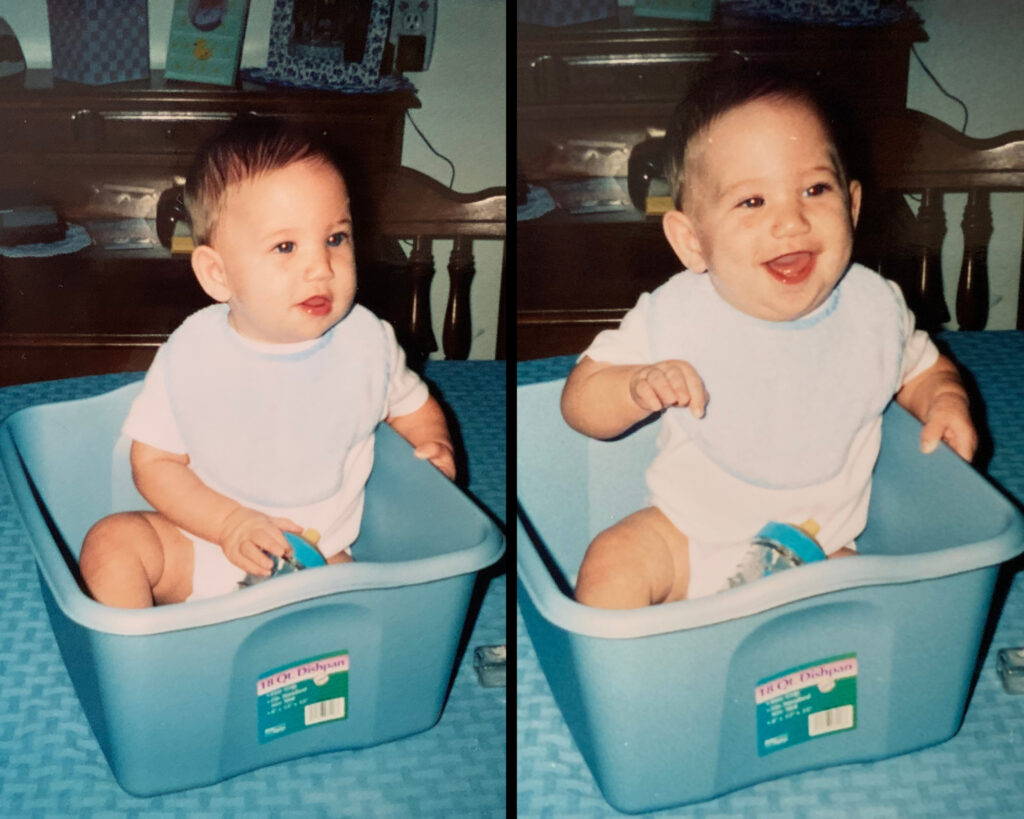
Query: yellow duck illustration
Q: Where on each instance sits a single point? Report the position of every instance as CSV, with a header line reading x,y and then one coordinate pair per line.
x,y
202,51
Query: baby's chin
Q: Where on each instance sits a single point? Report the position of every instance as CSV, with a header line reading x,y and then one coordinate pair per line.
x,y
797,308
777,306
297,332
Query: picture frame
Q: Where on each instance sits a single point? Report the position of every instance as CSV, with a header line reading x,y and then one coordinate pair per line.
x,y
327,45
206,40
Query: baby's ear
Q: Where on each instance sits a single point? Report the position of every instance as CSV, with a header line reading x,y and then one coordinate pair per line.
x,y
209,269
855,199
681,235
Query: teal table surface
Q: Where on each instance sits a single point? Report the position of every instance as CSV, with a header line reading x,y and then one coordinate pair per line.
x,y
977,773
51,764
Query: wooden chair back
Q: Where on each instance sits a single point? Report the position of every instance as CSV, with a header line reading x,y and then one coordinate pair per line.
x,y
913,153
410,205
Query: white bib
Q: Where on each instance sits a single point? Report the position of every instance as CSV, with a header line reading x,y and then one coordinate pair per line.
x,y
785,398
274,427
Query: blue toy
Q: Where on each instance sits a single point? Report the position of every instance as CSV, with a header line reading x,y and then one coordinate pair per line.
x,y
305,555
778,546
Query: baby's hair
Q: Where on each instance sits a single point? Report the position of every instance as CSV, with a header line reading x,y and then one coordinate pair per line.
x,y
720,91
250,146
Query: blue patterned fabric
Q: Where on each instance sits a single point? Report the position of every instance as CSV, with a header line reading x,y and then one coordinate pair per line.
x,y
51,765
564,12
291,66
978,773
824,12
99,41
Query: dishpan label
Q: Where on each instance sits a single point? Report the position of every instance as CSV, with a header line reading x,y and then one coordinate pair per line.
x,y
806,702
299,695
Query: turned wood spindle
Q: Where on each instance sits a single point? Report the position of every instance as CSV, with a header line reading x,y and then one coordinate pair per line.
x,y
458,326
930,301
421,269
972,288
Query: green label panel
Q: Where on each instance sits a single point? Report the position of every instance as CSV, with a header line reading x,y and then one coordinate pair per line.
x,y
806,702
299,695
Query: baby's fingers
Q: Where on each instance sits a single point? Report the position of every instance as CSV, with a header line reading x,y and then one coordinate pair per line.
x,y
650,390
678,384
439,454
284,525
689,387
954,430
252,559
668,384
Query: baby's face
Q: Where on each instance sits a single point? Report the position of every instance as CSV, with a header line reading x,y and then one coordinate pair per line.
x,y
770,216
285,240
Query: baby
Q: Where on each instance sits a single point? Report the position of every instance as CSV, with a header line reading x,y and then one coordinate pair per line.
x,y
770,357
257,416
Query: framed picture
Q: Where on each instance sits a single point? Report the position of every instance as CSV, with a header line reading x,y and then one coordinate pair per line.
x,y
206,40
330,44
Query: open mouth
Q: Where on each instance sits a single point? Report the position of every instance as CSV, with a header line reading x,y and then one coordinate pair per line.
x,y
317,305
792,268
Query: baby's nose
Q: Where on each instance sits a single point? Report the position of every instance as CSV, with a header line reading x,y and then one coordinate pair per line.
x,y
790,219
318,265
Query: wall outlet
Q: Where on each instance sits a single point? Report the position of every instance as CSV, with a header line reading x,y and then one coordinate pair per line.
x,y
412,34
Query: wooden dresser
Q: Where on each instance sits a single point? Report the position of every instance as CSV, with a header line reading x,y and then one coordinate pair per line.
x,y
109,152
588,94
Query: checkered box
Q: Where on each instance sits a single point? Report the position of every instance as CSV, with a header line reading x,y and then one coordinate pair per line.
x,y
97,42
564,12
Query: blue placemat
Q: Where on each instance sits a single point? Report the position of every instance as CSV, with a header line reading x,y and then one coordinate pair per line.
x,y
978,773
51,765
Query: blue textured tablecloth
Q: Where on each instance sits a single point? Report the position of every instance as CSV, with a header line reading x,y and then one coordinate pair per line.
x,y
51,765
978,773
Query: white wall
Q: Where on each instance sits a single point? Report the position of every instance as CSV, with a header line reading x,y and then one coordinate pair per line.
x,y
976,50
463,115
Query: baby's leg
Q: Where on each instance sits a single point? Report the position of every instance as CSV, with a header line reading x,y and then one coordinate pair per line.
x,y
341,557
640,561
137,560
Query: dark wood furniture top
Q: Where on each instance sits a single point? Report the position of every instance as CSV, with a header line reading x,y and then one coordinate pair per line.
x,y
586,94
68,140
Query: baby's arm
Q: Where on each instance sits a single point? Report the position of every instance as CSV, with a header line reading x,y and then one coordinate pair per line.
x,y
603,400
427,430
938,399
175,491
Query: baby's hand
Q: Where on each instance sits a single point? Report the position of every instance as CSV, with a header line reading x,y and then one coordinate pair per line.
x,y
440,454
668,384
248,537
949,420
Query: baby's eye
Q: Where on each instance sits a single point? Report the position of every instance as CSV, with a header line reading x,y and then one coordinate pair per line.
x,y
818,189
752,202
284,247
336,239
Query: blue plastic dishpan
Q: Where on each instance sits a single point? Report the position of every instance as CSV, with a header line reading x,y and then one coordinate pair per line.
x,y
320,660
832,662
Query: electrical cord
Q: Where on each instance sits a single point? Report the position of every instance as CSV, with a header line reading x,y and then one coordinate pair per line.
x,y
932,77
451,183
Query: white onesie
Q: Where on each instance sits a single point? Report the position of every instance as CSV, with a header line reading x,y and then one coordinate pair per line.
x,y
792,427
286,429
